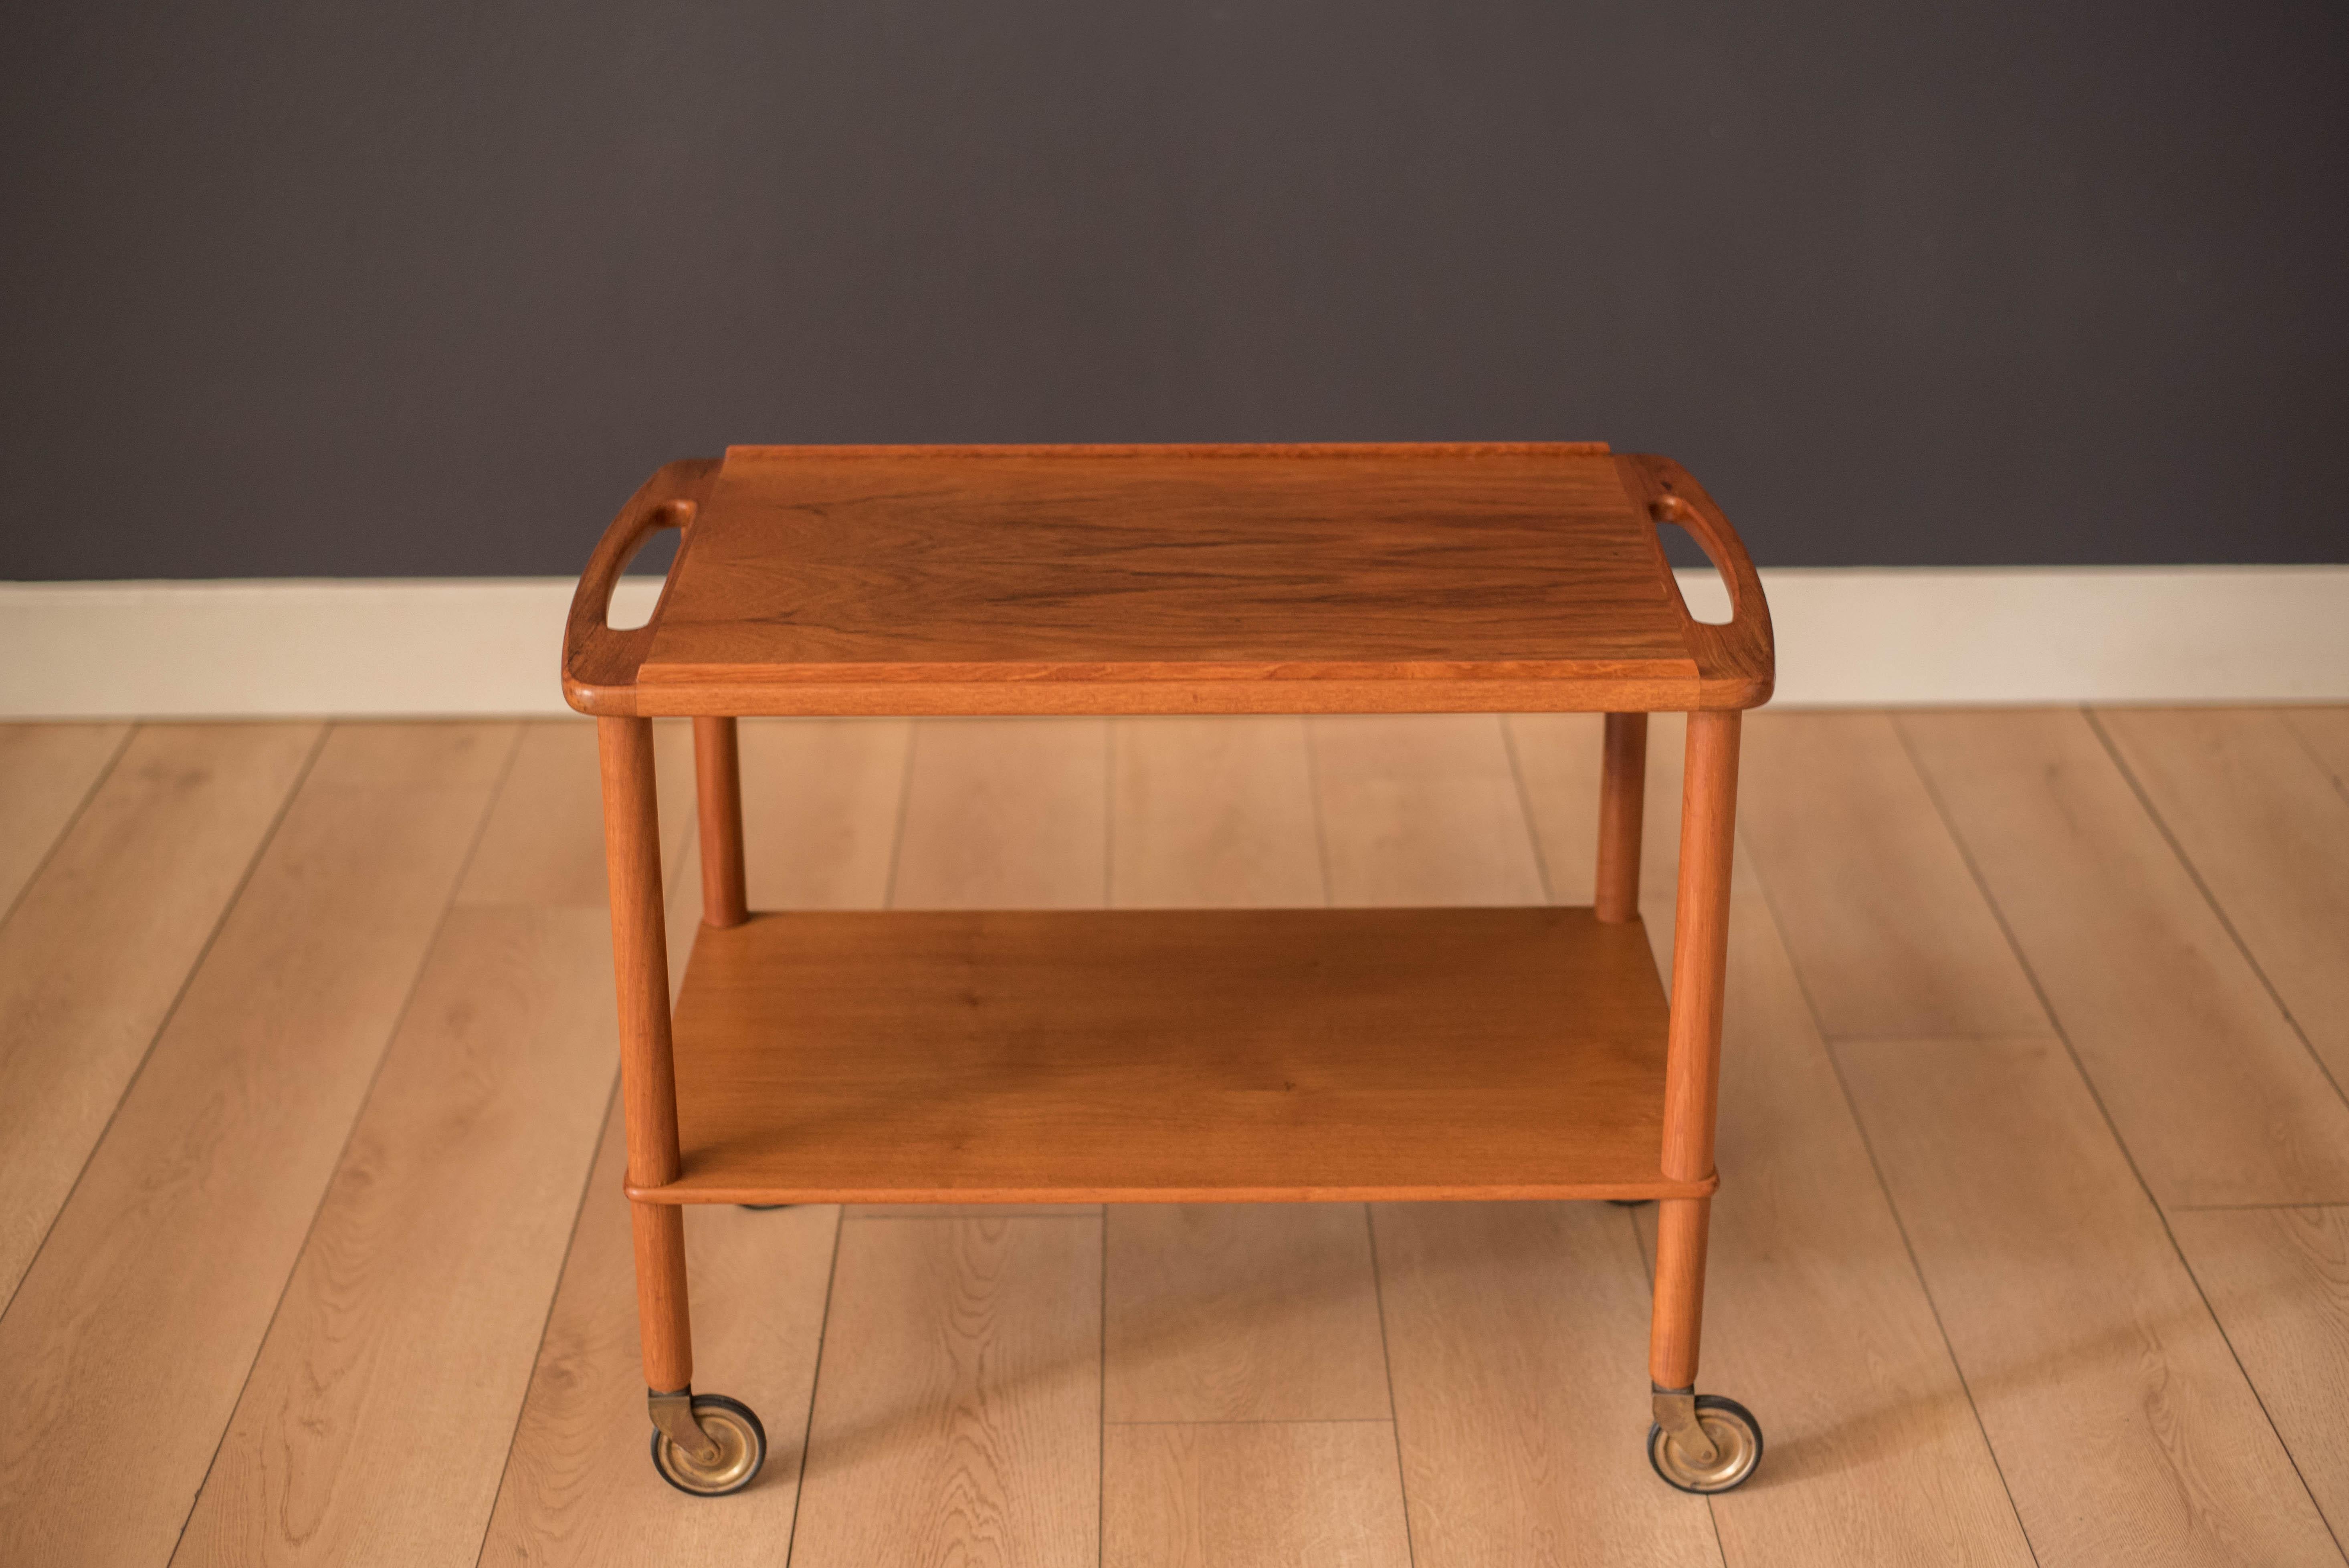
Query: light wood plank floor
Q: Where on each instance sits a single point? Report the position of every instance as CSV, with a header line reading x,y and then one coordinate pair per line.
x,y
2032,1245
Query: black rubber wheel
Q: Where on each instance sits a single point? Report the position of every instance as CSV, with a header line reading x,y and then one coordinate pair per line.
x,y
742,1449
1736,1436
762,1208
1630,1202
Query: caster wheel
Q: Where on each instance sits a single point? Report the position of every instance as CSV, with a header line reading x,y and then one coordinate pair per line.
x,y
1629,1203
742,1449
762,1208
1737,1439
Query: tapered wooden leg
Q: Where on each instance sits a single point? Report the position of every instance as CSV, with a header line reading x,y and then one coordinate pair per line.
x,y
1622,790
662,1316
1699,1442
717,778
1692,1053
1679,1319
647,1072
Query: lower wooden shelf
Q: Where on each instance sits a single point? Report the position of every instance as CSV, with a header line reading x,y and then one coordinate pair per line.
x,y
1169,1056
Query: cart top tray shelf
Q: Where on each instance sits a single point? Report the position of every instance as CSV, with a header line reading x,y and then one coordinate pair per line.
x,y
1231,579
1169,1056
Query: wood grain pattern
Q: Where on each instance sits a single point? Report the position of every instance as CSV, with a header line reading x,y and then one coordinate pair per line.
x,y
1819,1322
1212,812
377,1419
2141,975
2267,831
2105,1385
1515,1332
1074,1057
1007,814
1173,579
1880,913
1206,1496
95,952
819,801
46,772
1421,811
908,568
1257,1312
578,1489
544,844
182,1230
958,1411
2278,1280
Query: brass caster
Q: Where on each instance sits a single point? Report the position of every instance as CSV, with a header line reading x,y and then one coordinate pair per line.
x,y
706,1444
1702,1442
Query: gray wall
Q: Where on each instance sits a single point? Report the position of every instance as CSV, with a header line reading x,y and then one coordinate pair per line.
x,y
427,287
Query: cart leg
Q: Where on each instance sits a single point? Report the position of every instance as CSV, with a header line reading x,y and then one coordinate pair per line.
x,y
1622,792
1699,1442
705,1444
717,778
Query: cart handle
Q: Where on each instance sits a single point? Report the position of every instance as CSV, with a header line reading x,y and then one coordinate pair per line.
x,y
599,663
1737,660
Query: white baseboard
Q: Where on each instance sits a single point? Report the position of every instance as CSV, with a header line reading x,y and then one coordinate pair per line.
x,y
1846,636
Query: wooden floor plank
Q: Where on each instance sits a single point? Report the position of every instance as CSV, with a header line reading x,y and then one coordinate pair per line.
x,y
544,846
579,1489
46,771
819,801
1505,1324
1188,1496
2278,1280
1557,757
1518,1334
97,950
2126,1430
378,1413
1421,810
1237,1313
1881,915
2267,831
958,1411
2142,977
819,808
185,1227
2325,731
1557,760
1815,1315
1212,812
1006,813
1242,1312
376,1420
957,1407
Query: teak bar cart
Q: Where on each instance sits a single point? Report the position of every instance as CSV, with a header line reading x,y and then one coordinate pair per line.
x,y
1169,1056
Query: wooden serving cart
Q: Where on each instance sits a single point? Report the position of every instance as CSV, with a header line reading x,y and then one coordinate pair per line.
x,y
1169,1056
